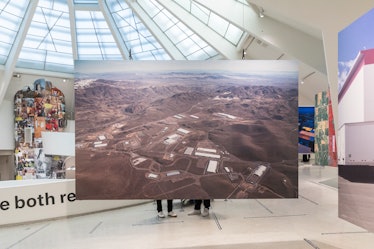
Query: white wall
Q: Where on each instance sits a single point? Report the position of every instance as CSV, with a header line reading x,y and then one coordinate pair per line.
x,y
33,200
355,113
351,107
59,143
369,92
358,140
341,145
7,125
70,127
7,170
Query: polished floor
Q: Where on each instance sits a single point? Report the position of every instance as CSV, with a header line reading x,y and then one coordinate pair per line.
x,y
311,221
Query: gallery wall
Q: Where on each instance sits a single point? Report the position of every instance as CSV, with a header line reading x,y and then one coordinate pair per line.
x,y
7,124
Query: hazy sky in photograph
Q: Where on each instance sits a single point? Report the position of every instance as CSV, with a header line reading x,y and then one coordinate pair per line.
x,y
351,40
234,66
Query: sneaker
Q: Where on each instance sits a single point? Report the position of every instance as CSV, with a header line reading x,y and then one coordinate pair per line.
x,y
195,212
172,214
161,215
205,212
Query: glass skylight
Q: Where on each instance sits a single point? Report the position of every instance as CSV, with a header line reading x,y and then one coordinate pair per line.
x,y
135,35
224,28
189,44
48,41
94,38
11,17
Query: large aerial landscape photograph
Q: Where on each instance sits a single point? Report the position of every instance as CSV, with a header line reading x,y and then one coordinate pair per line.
x,y
186,129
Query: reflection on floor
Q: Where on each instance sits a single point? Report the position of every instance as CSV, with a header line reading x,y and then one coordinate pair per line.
x,y
333,182
311,221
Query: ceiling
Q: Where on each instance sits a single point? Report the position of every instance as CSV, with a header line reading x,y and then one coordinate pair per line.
x,y
46,36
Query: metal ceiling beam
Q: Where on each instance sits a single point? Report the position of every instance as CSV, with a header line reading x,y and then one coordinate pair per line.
x,y
296,43
73,33
114,30
87,7
164,41
224,47
16,49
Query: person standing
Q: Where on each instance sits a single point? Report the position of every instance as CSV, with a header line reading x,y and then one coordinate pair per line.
x,y
170,209
197,208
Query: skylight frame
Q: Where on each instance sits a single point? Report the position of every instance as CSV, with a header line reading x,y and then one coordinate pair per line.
x,y
135,35
11,17
94,38
173,28
86,2
221,26
47,45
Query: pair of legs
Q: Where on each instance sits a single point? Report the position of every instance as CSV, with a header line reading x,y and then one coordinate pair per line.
x,y
199,202
197,208
170,209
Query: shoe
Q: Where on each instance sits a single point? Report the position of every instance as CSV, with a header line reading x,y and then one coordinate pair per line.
x,y
195,212
205,212
161,215
172,214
